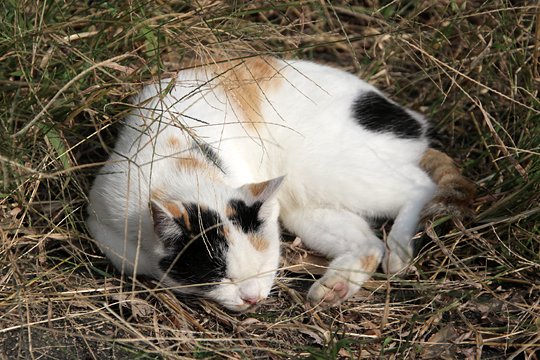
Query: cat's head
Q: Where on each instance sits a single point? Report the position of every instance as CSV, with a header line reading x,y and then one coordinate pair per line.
x,y
227,252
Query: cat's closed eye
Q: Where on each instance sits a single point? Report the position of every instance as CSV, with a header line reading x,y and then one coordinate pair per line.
x,y
244,216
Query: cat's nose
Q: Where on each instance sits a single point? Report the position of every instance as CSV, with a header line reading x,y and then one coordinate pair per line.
x,y
250,292
252,300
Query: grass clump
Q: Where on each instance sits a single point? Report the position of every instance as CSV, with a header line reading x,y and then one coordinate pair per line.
x,y
67,69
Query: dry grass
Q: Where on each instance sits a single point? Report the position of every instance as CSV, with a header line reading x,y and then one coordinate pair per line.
x,y
66,70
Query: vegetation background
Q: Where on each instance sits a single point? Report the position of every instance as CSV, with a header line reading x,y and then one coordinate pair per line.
x,y
67,69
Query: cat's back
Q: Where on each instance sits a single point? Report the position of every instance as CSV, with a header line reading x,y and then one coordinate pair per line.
x,y
329,110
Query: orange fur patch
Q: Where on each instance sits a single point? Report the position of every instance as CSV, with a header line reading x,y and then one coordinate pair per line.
x,y
173,209
258,188
226,233
190,163
178,213
157,193
455,192
247,81
258,242
438,165
230,211
442,169
369,263
173,142
193,164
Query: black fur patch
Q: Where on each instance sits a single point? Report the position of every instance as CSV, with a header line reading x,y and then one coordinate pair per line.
x,y
210,154
247,217
198,251
376,113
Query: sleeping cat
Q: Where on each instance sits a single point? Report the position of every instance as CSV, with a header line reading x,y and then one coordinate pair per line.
x,y
208,162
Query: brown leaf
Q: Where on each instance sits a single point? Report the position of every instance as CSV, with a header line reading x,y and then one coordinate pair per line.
x,y
440,344
344,353
140,308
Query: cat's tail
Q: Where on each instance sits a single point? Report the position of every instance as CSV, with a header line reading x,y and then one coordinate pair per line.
x,y
455,193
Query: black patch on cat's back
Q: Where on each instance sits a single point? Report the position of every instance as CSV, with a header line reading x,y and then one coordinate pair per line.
x,y
376,113
247,217
197,253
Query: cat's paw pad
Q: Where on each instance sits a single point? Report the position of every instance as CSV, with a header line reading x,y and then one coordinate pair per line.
x,y
328,293
394,262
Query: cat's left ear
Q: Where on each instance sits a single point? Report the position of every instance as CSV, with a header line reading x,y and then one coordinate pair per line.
x,y
168,215
264,190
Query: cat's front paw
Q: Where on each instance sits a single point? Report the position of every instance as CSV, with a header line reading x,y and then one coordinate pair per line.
x,y
328,293
343,279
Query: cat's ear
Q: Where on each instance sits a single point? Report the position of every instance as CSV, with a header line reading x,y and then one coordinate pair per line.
x,y
264,190
167,215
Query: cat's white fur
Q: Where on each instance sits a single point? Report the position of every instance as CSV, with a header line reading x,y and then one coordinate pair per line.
x,y
338,174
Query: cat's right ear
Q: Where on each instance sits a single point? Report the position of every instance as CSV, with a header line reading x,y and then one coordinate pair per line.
x,y
167,215
264,190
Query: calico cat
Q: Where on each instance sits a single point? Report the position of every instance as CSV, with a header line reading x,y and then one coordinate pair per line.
x,y
208,162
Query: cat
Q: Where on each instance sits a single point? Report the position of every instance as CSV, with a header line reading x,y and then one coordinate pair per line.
x,y
210,162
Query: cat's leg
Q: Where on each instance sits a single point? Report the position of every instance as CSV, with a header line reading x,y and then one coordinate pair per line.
x,y
344,237
400,240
